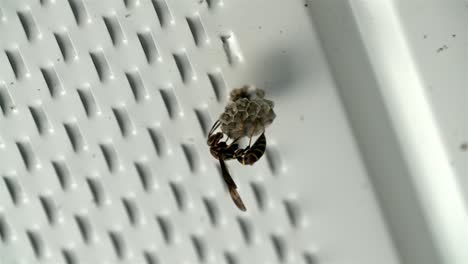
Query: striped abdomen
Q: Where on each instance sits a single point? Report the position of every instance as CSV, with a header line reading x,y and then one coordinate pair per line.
x,y
255,152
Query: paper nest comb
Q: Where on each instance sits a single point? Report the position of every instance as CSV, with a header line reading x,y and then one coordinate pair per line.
x,y
247,113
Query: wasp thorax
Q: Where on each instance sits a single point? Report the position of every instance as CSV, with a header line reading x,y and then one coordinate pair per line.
x,y
247,114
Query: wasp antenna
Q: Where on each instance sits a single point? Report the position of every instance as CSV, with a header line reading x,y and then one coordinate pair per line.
x,y
214,127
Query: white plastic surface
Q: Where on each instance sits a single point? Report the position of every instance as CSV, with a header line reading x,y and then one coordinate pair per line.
x,y
105,106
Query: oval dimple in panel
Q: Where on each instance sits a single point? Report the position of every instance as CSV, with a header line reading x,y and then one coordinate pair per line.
x,y
66,46
212,210
79,10
198,31
310,258
5,232
187,74
150,257
29,158
115,30
214,3
146,178
231,48
17,64
84,226
204,120
46,2
166,229
75,136
6,102
50,209
259,194
69,256
101,65
29,25
179,195
63,174
129,4
37,243
149,46
136,84
219,85
273,159
53,82
97,191
192,157
123,120
118,243
162,11
158,140
89,102
110,156
171,102
246,229
40,119
292,211
200,248
14,189
230,258
131,208
279,246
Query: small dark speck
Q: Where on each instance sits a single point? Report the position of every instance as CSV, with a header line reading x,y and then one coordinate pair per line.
x,y
444,47
464,146
425,36
11,83
127,15
259,27
301,118
454,35
12,107
200,2
38,89
283,51
58,59
281,31
306,5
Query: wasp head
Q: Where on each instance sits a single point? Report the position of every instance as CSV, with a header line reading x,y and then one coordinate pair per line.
x,y
214,139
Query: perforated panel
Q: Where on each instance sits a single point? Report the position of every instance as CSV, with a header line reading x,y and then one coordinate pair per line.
x,y
105,110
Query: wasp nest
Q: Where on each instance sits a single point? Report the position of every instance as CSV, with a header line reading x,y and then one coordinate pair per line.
x,y
247,113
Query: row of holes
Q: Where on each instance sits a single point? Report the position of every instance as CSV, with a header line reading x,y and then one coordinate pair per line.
x,y
117,37
126,126
103,70
161,8
81,15
89,104
130,206
113,162
118,242
148,45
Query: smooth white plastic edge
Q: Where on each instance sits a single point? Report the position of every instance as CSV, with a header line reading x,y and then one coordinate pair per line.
x,y
422,145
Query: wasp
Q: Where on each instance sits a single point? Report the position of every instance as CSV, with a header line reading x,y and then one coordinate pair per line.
x,y
221,151
251,154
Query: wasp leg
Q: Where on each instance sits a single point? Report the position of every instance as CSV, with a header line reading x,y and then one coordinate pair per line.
x,y
251,135
234,141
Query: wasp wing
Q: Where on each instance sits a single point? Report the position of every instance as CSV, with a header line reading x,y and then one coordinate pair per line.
x,y
231,186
